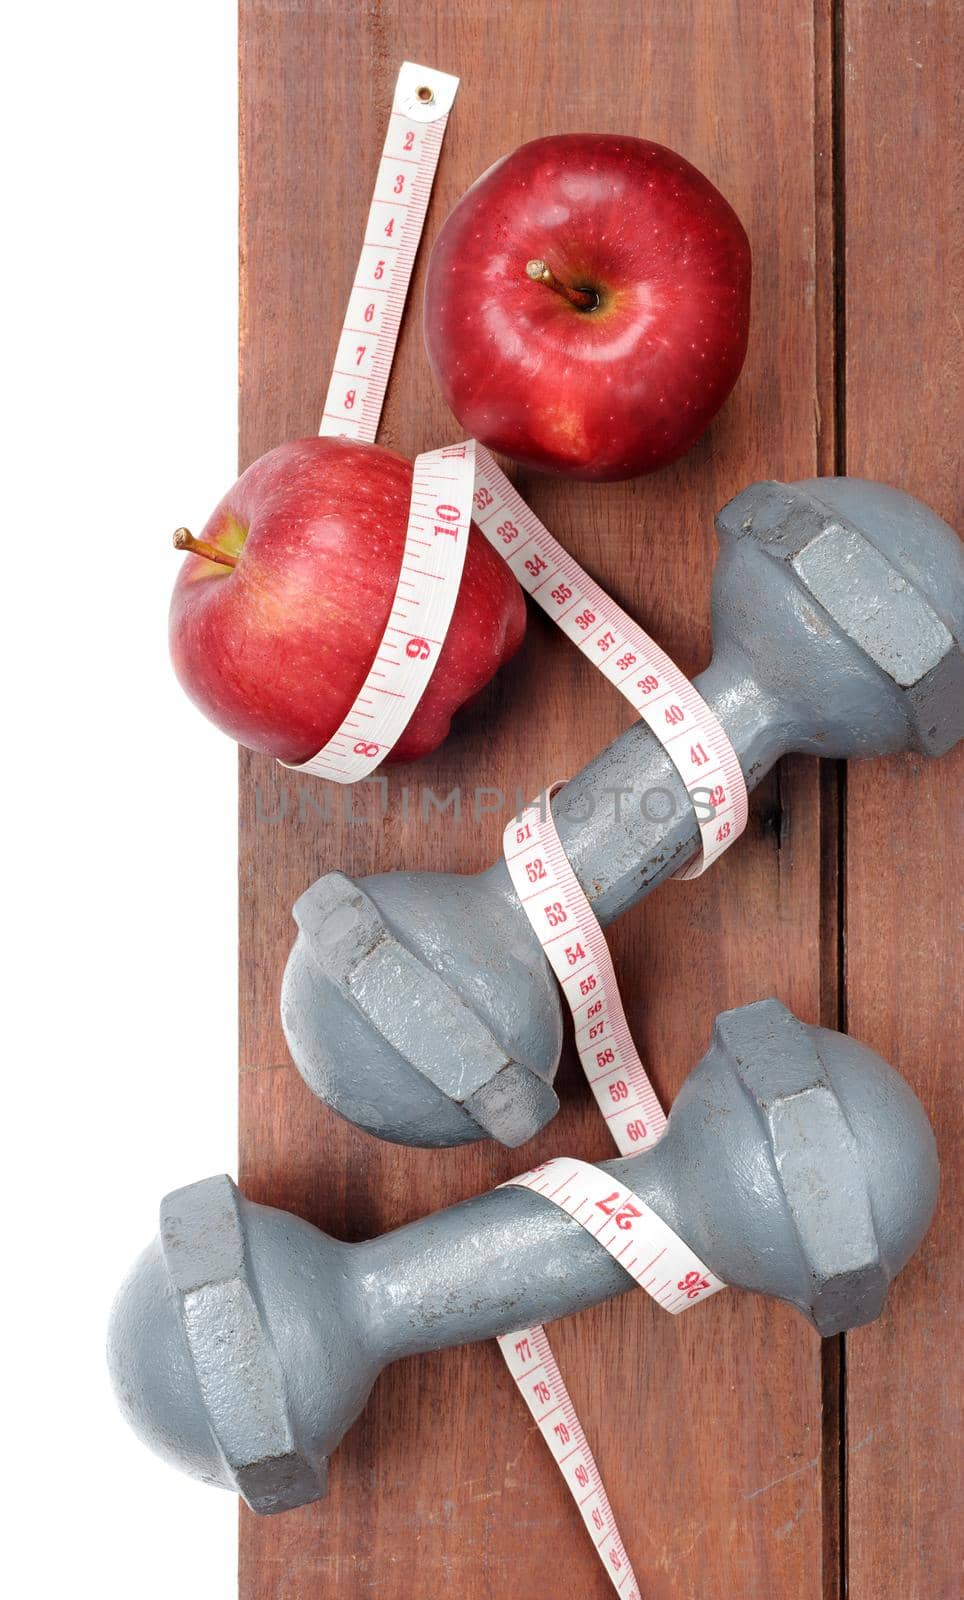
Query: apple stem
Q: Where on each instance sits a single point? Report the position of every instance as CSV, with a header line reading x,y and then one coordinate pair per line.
x,y
541,272
185,540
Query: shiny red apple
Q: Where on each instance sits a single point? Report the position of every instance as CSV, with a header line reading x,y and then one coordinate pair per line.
x,y
279,610
587,305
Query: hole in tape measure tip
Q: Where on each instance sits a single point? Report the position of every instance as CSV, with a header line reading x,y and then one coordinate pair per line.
x,y
425,94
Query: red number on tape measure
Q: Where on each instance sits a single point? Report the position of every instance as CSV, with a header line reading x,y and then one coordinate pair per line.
x,y
622,1214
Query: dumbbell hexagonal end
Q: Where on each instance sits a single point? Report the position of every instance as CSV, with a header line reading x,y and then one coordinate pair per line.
x,y
360,1007
824,1140
887,572
238,1372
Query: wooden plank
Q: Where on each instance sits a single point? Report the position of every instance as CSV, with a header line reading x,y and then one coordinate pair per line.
x,y
904,836
708,1430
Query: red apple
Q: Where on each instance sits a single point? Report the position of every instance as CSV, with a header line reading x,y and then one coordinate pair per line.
x,y
276,619
587,305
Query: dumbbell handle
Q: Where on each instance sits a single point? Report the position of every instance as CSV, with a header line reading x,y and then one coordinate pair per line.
x,y
501,1261
626,821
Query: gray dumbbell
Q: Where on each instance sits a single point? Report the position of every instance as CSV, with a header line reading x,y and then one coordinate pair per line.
x,y
795,1163
420,1005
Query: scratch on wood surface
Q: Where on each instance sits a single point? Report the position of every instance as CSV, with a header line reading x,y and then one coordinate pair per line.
x,y
786,1528
784,1477
868,1438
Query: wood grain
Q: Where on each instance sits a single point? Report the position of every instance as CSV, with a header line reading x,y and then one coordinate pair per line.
x,y
709,1433
903,899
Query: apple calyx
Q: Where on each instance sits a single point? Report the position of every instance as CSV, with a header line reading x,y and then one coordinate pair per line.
x,y
185,540
582,299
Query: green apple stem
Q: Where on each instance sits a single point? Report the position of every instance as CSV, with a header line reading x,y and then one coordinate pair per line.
x,y
541,272
185,540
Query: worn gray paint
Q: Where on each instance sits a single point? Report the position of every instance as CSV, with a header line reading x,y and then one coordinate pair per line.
x,y
838,615
244,1344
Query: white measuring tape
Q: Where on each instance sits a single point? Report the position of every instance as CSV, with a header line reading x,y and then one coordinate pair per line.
x,y
420,108
449,487
540,1383
663,1265
422,607
649,1250
438,526
576,949
643,1244
657,690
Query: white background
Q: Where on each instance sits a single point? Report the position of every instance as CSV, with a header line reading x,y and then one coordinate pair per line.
x,y
119,306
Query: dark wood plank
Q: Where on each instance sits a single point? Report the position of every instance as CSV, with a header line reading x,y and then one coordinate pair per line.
x,y
708,1431
904,835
